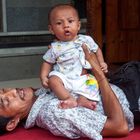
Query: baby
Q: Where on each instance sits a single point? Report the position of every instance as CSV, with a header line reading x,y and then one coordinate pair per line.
x,y
65,55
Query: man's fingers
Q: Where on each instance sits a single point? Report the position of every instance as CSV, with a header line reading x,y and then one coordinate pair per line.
x,y
86,51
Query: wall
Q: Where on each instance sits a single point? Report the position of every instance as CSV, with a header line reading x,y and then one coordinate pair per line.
x,y
20,63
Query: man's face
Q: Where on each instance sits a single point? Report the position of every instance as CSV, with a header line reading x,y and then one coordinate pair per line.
x,y
16,102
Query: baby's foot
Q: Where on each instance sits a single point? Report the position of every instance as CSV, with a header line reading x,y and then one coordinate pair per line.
x,y
69,103
87,103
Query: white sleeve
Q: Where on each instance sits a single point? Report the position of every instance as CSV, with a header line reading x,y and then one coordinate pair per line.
x,y
92,44
49,56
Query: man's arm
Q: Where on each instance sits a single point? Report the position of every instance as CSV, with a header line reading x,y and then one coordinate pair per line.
x,y
116,124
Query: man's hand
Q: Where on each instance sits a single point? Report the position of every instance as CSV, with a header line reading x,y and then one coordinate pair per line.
x,y
89,56
104,67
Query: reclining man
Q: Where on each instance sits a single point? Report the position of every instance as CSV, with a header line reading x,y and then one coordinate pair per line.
x,y
111,118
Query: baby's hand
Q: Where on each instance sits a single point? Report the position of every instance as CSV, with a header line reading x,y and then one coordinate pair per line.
x,y
44,82
104,67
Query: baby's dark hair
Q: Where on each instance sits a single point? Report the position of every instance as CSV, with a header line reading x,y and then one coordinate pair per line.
x,y
61,5
3,122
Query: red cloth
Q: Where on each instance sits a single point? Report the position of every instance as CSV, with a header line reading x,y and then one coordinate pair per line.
x,y
40,134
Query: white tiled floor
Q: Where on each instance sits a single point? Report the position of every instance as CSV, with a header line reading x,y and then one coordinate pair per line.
x,y
34,82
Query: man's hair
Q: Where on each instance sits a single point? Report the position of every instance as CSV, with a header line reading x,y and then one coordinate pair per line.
x,y
3,123
61,5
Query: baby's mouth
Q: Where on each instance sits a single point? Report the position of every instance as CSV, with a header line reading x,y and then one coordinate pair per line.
x,y
67,33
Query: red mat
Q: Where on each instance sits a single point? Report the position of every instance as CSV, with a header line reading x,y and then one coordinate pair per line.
x,y
40,134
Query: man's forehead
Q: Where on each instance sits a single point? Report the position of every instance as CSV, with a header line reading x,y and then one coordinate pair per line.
x,y
1,90
4,90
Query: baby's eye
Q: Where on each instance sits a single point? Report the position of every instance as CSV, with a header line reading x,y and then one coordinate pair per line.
x,y
58,23
71,21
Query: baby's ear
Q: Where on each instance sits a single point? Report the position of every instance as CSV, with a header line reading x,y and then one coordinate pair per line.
x,y
79,25
12,124
50,29
49,46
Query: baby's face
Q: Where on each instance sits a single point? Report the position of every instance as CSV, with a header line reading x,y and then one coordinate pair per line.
x,y
64,23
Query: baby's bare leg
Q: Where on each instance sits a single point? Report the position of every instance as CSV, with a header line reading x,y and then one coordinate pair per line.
x,y
68,103
57,86
83,101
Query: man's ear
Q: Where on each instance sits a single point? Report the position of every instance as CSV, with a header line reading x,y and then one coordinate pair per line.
x,y
12,124
50,29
